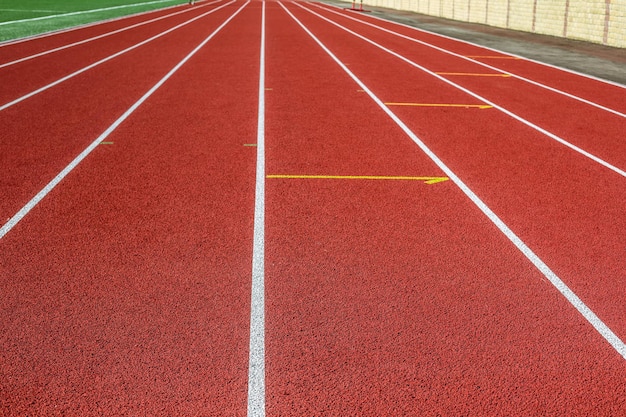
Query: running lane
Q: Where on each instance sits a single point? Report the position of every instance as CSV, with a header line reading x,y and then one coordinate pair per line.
x,y
604,93
566,207
24,77
42,134
593,129
126,291
389,297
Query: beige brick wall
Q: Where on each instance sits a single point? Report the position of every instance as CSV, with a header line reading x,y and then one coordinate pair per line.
x,y
478,11
616,34
434,7
497,13
550,17
412,5
461,9
447,9
521,15
577,19
583,16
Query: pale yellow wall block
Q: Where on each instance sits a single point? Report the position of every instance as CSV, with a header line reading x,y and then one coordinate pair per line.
x,y
521,15
618,8
616,35
550,17
478,9
422,6
434,8
412,5
461,10
585,20
496,15
447,8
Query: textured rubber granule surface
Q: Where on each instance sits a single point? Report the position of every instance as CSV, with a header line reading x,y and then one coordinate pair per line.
x,y
396,298
129,285
126,290
565,206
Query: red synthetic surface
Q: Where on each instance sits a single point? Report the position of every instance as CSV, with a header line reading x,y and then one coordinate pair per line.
x,y
50,144
62,63
126,291
576,205
379,277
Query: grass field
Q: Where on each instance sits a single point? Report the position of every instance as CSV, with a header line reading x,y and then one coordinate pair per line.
x,y
21,18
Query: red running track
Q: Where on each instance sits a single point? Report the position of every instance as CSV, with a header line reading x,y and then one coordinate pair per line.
x,y
81,108
126,290
544,190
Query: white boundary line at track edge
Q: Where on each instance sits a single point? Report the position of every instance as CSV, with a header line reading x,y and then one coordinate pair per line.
x,y
124,6
110,57
104,35
61,175
256,365
477,96
571,71
571,297
445,51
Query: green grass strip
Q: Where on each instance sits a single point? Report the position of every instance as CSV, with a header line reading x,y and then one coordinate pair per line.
x,y
20,18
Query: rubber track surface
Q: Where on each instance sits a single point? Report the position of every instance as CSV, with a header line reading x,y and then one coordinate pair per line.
x,y
561,203
397,298
126,290
37,151
129,287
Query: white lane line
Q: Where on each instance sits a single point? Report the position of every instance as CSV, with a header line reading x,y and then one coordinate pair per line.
x,y
84,12
545,64
477,96
61,175
571,297
256,365
104,35
466,58
115,55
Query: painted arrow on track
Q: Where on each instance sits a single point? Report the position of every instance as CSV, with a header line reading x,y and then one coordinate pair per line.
x,y
426,180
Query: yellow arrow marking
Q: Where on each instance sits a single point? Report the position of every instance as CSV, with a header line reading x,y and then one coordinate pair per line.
x,y
473,74
249,144
467,106
106,143
491,57
427,180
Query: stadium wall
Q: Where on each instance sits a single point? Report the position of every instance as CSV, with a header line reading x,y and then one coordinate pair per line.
x,y
598,21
